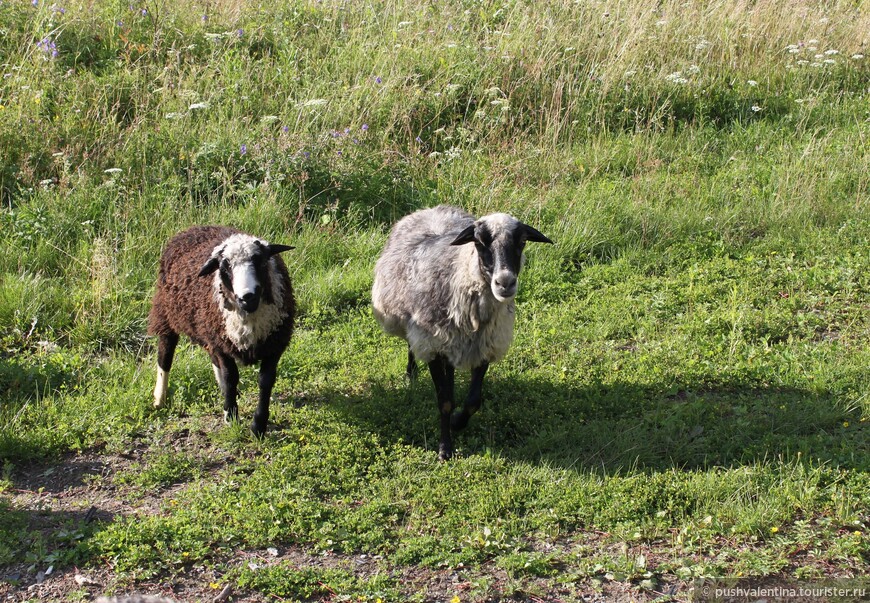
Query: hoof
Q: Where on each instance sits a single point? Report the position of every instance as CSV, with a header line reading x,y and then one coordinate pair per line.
x,y
445,453
258,429
459,421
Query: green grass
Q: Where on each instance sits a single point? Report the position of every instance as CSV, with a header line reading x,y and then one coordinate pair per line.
x,y
687,395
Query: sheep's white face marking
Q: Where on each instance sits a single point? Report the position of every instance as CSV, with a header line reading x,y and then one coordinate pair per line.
x,y
246,286
161,387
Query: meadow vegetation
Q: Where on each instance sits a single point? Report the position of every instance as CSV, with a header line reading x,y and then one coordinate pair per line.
x,y
689,391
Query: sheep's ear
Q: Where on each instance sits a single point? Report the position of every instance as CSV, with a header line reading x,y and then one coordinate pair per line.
x,y
466,236
210,266
275,249
535,236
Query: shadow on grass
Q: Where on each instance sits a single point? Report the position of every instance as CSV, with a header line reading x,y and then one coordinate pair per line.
x,y
622,427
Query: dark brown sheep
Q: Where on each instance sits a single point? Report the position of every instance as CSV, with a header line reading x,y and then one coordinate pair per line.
x,y
229,292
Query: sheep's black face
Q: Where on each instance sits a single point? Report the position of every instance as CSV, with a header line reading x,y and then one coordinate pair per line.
x,y
499,240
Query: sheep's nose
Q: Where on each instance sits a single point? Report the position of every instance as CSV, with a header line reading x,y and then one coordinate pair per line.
x,y
507,282
250,301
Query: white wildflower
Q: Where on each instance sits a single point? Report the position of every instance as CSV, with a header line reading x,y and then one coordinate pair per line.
x,y
831,52
676,78
694,69
198,106
113,171
829,62
268,119
173,115
813,41
702,45
752,83
632,72
403,24
315,102
756,108
858,56
802,62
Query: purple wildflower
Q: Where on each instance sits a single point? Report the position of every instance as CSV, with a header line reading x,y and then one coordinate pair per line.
x,y
243,150
204,18
378,79
306,154
365,128
240,32
347,131
144,11
418,140
35,2
285,129
340,153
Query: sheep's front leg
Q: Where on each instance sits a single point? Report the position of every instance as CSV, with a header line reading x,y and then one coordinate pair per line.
x,y
268,373
411,370
228,378
443,377
475,396
165,352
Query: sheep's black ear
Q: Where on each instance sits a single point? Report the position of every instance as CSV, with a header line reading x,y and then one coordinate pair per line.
x,y
535,236
210,266
275,249
466,236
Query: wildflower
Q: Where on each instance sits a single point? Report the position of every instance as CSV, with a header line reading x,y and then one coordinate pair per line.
x,y
243,150
285,129
845,423
802,62
455,599
752,83
676,78
197,106
694,69
205,18
829,62
831,52
35,2
702,45
144,12
774,530
113,171
756,108
365,128
858,56
240,32
378,79
418,140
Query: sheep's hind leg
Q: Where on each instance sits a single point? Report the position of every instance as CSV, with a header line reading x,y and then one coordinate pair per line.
x,y
227,374
443,377
475,396
411,371
268,373
165,352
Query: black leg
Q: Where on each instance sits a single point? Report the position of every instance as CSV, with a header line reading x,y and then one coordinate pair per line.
x,y
475,396
443,378
268,372
165,352
228,377
412,371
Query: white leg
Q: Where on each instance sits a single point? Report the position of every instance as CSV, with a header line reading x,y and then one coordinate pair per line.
x,y
217,375
161,387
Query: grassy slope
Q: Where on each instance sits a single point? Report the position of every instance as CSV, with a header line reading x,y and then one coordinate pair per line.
x,y
690,370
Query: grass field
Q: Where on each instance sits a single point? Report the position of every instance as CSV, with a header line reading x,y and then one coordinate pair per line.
x,y
688,393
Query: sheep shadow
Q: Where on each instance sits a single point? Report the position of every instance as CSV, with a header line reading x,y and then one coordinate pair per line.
x,y
622,426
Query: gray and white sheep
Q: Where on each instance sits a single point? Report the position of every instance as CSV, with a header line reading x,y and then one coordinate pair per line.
x,y
453,302
229,292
